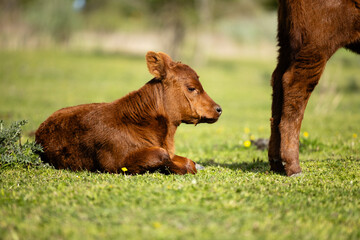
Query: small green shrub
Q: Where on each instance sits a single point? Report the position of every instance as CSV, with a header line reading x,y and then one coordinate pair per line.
x,y
12,151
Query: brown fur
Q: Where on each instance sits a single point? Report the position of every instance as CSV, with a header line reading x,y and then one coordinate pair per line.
x,y
136,131
309,33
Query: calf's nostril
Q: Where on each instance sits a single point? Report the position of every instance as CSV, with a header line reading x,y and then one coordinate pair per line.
x,y
219,110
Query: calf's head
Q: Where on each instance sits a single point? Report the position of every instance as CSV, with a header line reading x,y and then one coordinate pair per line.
x,y
184,97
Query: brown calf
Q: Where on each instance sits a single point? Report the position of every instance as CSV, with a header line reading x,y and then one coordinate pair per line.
x,y
309,33
135,132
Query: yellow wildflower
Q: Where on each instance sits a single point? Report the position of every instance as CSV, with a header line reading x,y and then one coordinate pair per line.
x,y
252,137
247,130
124,169
156,224
354,135
247,143
306,134
220,130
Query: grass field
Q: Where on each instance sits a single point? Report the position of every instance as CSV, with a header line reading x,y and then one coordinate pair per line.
x,y
235,197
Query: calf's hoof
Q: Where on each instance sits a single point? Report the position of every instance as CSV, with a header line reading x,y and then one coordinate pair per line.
x,y
199,167
296,175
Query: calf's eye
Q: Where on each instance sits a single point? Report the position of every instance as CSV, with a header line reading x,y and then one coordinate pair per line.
x,y
191,89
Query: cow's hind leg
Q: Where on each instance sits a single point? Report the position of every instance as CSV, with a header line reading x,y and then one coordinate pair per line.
x,y
276,110
157,159
298,82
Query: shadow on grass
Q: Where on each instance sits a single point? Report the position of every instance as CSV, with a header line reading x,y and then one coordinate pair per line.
x,y
256,166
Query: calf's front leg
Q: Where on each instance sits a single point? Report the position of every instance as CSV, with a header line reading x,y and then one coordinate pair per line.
x,y
182,165
157,159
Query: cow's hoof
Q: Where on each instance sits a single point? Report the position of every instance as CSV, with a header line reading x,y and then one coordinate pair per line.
x,y
277,167
296,175
293,170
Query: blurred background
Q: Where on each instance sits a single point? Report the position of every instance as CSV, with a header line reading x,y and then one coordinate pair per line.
x,y
59,53
190,29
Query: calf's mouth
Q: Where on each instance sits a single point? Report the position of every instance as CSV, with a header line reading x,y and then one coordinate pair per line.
x,y
207,120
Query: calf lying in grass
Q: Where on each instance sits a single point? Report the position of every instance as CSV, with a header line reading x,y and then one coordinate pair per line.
x,y
135,132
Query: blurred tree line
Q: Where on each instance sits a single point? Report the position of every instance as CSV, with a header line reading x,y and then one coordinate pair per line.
x,y
59,19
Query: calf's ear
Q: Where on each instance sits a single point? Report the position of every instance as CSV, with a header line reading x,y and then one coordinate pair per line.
x,y
158,63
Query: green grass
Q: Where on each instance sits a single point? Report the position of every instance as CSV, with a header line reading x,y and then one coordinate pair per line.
x,y
235,197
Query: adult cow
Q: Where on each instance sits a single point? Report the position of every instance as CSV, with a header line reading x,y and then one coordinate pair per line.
x,y
309,33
